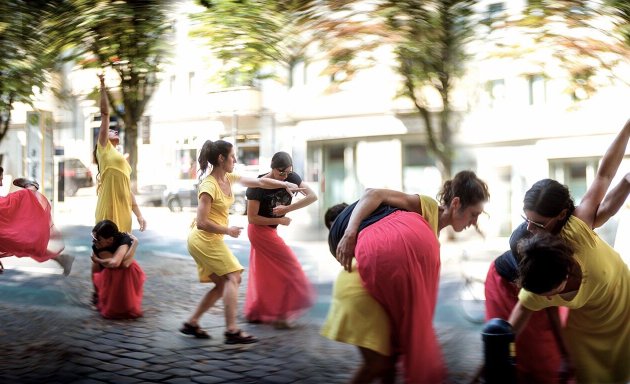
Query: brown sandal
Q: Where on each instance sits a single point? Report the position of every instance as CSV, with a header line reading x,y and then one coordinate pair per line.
x,y
238,338
194,330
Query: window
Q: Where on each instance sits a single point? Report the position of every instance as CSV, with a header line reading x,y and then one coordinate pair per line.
x,y
496,92
495,13
537,90
576,174
191,83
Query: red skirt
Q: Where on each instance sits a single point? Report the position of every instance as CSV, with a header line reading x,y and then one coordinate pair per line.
x,y
399,262
26,227
277,288
120,291
538,358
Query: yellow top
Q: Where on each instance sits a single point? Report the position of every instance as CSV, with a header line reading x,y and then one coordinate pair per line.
x,y
208,249
114,191
354,316
598,327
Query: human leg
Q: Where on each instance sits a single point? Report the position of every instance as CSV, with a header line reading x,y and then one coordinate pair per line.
x,y
233,335
375,366
208,301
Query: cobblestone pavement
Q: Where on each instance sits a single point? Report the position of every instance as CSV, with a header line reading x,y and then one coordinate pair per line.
x,y
50,333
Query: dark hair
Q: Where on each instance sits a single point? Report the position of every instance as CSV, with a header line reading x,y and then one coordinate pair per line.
x,y
210,151
467,186
332,213
546,260
517,235
106,229
98,169
1,170
281,160
548,198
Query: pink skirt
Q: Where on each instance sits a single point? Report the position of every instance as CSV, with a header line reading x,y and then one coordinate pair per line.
x,y
277,288
399,262
120,291
26,227
538,358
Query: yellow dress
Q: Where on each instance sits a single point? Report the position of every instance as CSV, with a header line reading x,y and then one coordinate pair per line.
x,y
354,316
114,192
208,249
598,327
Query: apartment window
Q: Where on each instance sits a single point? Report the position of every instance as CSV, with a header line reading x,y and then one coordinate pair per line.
x,y
496,92
171,85
495,13
537,90
576,174
191,83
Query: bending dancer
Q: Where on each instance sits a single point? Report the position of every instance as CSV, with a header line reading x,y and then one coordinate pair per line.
x,y
27,228
587,276
394,238
215,261
115,202
278,291
120,293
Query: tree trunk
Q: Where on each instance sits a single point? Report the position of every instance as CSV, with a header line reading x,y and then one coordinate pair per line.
x,y
131,148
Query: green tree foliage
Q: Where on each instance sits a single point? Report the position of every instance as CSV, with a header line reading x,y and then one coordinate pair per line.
x,y
255,38
27,53
130,37
429,40
585,38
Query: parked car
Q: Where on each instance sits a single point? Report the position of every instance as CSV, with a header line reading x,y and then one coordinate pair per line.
x,y
184,194
76,175
151,195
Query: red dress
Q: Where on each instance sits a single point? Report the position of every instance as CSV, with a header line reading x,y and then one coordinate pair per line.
x,y
26,227
120,291
399,262
277,288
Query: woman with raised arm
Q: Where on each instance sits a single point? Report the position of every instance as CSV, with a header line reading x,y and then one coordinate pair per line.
x,y
215,262
391,239
115,202
278,290
594,282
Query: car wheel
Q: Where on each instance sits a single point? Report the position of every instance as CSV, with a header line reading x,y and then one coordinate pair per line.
x,y
174,205
239,207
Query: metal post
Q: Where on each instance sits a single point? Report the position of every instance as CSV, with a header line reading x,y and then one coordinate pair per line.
x,y
499,352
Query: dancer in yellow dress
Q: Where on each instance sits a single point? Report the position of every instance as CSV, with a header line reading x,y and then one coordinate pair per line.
x,y
593,281
215,261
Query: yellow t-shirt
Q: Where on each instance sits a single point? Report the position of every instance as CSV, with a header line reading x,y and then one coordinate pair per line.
x,y
354,316
598,327
114,191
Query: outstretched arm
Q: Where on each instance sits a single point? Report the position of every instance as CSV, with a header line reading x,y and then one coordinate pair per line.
x,y
367,204
269,183
103,131
612,202
519,318
588,207
309,198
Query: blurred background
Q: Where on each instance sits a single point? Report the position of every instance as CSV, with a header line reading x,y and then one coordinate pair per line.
x,y
392,94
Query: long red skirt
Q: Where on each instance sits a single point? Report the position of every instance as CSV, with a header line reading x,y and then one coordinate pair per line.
x,y
26,227
399,262
538,358
277,288
120,292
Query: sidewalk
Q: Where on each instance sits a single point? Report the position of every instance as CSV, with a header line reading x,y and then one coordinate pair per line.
x,y
51,334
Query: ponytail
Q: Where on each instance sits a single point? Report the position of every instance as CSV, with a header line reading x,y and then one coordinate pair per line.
x,y
209,154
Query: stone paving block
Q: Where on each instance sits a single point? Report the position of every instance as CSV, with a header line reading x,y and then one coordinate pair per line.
x,y
133,363
137,355
208,380
152,376
179,372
